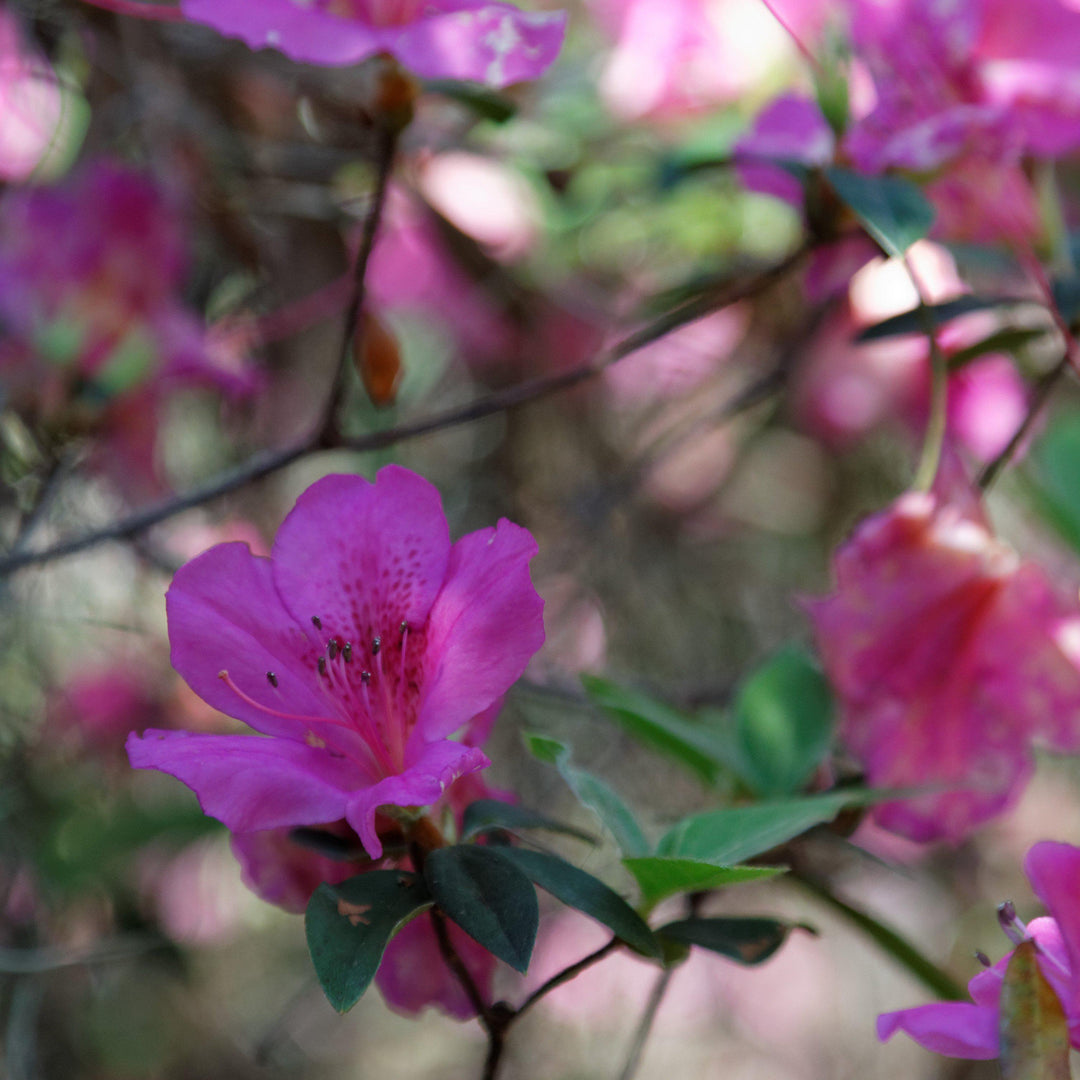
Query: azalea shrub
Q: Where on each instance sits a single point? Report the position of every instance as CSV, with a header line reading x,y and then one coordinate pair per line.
x,y
540,539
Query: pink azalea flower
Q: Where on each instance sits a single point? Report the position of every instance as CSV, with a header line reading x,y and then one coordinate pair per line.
x,y
486,42
358,647
95,333
964,90
971,1029
676,56
950,656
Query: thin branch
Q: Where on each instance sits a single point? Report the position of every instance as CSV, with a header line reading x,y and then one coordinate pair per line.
x,y
1043,392
386,149
937,421
565,976
644,1027
40,960
457,966
268,462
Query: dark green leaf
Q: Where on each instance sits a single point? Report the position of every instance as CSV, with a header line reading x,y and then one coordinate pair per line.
x,y
783,723
488,897
592,792
891,209
326,843
912,322
735,834
582,891
349,925
487,814
1034,1029
659,877
690,742
747,941
1002,341
1067,298
487,104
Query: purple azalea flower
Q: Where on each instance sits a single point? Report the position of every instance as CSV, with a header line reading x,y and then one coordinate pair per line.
x,y
486,42
971,1029
358,648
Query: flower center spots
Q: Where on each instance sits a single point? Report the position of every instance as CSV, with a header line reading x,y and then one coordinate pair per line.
x,y
375,686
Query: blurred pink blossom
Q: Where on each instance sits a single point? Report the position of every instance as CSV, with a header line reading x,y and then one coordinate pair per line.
x,y
675,56
950,657
31,103
963,90
95,334
479,40
972,1029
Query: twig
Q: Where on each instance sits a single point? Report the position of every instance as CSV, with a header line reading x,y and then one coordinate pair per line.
x,y
1043,392
40,960
385,153
644,1027
457,966
264,464
565,976
937,421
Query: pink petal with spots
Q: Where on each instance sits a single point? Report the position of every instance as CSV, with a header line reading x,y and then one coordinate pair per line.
x,y
413,975
947,656
429,771
225,614
363,557
954,1028
484,628
248,782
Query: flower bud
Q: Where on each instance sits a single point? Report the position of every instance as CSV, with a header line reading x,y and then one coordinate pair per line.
x,y
377,359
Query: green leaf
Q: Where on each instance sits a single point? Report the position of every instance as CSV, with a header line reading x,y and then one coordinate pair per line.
x,y
912,322
690,742
747,941
1034,1030
349,925
891,209
485,815
659,877
488,897
592,792
580,890
487,104
1008,340
735,834
783,723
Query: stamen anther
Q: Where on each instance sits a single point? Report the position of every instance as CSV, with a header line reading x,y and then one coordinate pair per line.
x,y
376,645
322,665
346,652
271,678
332,648
316,622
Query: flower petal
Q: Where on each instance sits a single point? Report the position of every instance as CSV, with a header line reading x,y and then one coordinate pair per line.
x,y
225,615
496,44
413,975
484,628
954,1028
431,770
363,557
300,31
247,782
1054,872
